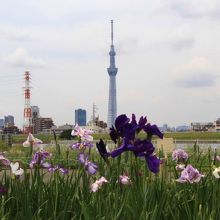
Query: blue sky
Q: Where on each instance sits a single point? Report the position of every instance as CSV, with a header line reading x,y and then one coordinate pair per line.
x,y
167,53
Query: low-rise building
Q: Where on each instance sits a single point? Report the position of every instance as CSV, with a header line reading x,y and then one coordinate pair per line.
x,y
61,128
202,126
183,128
9,121
11,130
100,124
217,124
44,124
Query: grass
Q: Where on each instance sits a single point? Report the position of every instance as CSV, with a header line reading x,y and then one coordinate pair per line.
x,y
193,135
18,139
40,195
148,197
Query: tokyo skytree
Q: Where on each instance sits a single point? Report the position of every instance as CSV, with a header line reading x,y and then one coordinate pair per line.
x,y
112,71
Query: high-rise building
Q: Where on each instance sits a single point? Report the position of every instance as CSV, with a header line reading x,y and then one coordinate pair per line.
x,y
2,123
112,71
35,111
80,117
9,121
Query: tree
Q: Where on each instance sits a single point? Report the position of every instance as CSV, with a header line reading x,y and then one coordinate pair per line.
x,y
67,135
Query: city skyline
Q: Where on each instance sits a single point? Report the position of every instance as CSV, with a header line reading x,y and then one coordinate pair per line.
x,y
167,54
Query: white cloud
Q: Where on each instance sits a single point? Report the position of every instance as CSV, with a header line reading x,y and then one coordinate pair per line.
x,y
197,62
14,33
197,79
196,8
127,45
74,38
181,39
21,58
198,73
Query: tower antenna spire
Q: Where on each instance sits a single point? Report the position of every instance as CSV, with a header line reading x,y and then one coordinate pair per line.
x,y
112,31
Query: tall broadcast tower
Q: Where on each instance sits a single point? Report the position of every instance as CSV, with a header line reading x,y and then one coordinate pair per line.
x,y
28,125
112,71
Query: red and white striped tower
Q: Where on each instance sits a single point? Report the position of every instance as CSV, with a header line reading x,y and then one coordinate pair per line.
x,y
28,125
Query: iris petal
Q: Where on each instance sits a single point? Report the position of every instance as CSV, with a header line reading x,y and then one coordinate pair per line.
x,y
120,121
153,130
91,168
153,163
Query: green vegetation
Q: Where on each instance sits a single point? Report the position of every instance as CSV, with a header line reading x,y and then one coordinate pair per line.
x,y
66,135
19,139
178,135
41,195
193,135
2,146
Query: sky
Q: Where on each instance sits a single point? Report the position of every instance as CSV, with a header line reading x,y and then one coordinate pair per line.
x,y
167,54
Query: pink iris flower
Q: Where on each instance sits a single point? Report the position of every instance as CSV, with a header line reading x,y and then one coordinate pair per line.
x,y
124,179
84,134
190,175
32,141
98,184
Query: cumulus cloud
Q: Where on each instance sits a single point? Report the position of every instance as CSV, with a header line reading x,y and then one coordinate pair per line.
x,y
181,39
21,58
196,8
198,73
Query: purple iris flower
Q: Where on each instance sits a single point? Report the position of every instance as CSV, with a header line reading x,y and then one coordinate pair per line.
x,y
90,167
124,128
152,130
146,150
63,170
113,134
153,163
124,147
58,167
102,149
141,148
190,175
52,169
147,127
179,155
120,121
119,129
46,165
140,125
81,145
4,160
128,131
138,147
39,159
